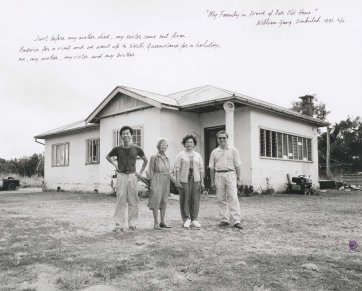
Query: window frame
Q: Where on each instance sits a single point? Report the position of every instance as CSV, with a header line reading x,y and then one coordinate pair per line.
x,y
55,150
90,142
296,148
117,138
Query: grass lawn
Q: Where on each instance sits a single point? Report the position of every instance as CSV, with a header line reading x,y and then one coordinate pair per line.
x,y
64,241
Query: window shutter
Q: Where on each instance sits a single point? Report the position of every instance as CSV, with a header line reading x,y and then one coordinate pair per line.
x,y
54,155
309,153
66,155
280,145
262,142
274,144
97,150
285,146
300,148
295,148
89,151
290,147
305,151
114,138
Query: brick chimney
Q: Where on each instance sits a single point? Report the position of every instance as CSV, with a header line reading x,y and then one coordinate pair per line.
x,y
307,105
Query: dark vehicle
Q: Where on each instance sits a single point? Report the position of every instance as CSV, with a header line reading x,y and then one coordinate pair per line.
x,y
9,184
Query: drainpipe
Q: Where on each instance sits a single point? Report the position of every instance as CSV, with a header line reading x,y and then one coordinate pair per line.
x,y
36,140
229,120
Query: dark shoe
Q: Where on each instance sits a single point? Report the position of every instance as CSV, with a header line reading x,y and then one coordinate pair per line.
x,y
132,227
164,225
224,223
238,226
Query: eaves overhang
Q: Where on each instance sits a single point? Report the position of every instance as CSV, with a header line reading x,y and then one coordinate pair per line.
x,y
216,104
64,132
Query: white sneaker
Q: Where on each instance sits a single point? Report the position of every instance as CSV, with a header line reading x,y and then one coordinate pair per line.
x,y
196,224
187,223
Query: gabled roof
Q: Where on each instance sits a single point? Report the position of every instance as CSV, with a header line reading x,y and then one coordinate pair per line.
x,y
151,98
195,99
75,126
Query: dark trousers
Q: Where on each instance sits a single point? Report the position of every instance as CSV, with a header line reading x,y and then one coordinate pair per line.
x,y
190,200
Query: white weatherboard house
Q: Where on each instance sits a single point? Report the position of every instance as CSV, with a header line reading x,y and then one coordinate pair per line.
x,y
273,141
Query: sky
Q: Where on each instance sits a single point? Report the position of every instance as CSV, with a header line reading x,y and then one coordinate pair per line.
x,y
275,51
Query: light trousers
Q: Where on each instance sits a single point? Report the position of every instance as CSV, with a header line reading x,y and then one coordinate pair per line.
x,y
127,194
227,197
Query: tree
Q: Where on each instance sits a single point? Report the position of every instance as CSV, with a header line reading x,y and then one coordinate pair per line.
x,y
25,166
319,109
346,143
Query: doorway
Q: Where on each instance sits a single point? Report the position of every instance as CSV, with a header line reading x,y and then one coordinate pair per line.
x,y
210,145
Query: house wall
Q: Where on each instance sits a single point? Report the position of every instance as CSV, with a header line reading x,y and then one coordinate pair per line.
x,y
274,169
78,176
149,119
242,141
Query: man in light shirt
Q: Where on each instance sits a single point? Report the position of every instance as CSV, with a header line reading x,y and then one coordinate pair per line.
x,y
225,176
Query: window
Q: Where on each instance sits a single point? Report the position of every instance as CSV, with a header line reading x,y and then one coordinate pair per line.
x,y
284,146
305,152
290,147
60,155
300,148
295,147
137,136
274,144
93,151
280,145
262,142
309,149
267,143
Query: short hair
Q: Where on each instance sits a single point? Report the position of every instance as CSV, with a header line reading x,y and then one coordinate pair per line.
x,y
162,139
188,136
124,128
222,132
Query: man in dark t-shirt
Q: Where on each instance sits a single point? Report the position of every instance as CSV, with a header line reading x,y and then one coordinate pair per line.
x,y
126,184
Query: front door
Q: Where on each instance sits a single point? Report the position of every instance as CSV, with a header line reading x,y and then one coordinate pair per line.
x,y
210,145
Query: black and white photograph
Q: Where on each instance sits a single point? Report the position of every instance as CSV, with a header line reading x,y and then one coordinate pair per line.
x,y
180,145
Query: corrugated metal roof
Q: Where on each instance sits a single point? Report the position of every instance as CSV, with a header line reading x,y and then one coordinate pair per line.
x,y
191,98
200,94
154,96
78,125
